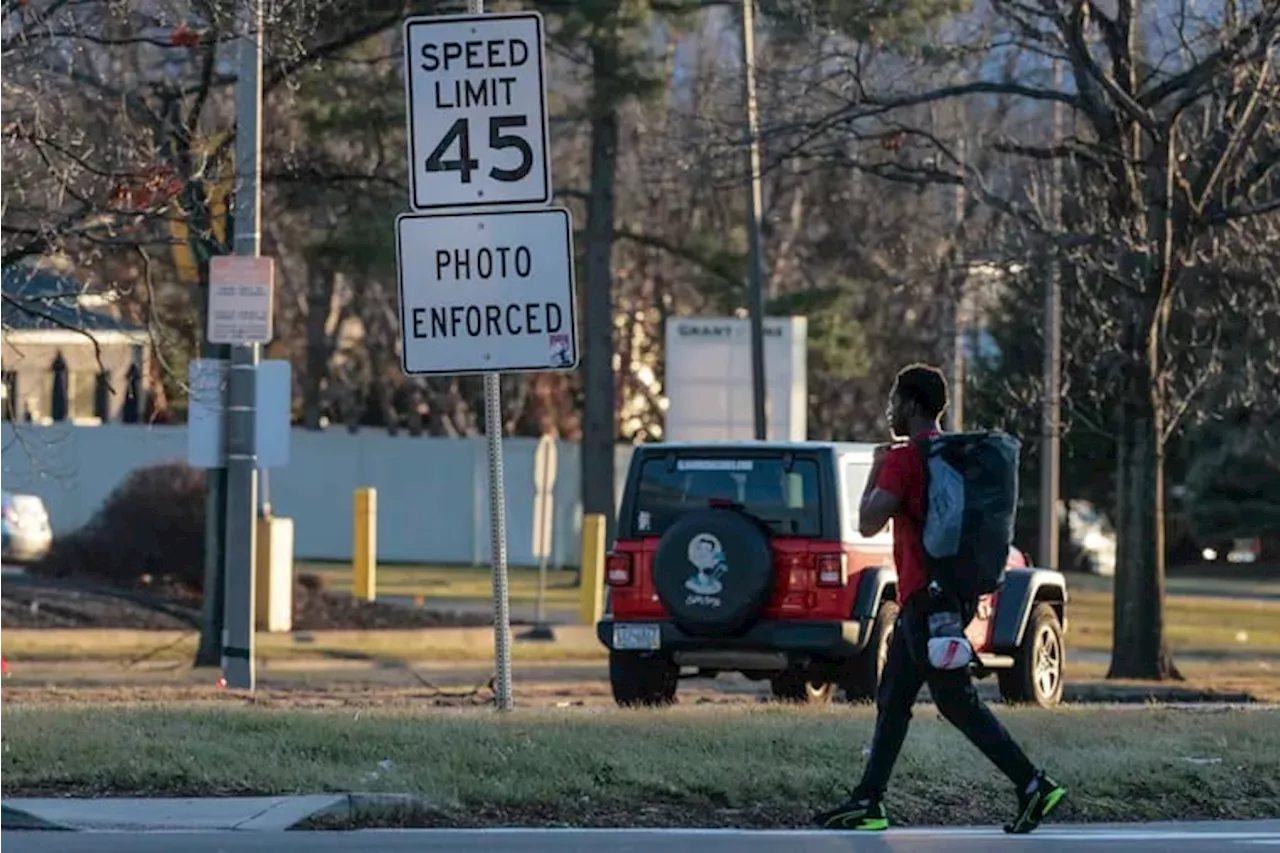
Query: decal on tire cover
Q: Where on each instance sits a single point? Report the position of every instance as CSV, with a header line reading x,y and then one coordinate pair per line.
x,y
706,555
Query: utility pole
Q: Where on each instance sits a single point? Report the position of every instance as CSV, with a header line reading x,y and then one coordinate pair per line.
x,y
1051,413
755,211
956,408
209,651
242,467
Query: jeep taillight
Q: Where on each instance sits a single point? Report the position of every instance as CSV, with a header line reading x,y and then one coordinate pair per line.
x,y
617,570
832,569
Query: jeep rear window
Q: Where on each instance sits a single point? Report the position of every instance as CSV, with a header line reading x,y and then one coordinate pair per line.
x,y
786,501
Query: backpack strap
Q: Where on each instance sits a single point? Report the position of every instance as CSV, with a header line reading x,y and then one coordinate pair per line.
x,y
924,448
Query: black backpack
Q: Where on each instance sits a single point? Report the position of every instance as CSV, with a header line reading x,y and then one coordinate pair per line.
x,y
971,503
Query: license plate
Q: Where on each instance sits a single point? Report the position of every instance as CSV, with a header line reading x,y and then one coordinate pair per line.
x,y
632,637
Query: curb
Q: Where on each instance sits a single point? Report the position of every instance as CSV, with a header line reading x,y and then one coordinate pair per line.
x,y
290,812
143,814
11,818
363,807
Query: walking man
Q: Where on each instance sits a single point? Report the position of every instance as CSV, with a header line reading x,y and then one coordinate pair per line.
x,y
896,490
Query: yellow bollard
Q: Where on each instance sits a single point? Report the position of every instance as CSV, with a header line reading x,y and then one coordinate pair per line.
x,y
364,552
592,604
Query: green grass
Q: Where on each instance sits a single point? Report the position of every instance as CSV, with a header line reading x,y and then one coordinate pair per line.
x,y
1240,627
700,765
442,645
443,585
1195,623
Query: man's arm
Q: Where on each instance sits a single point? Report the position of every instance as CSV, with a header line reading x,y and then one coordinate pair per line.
x,y
878,504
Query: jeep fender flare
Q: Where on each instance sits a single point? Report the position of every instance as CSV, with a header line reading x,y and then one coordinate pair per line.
x,y
875,584
1021,589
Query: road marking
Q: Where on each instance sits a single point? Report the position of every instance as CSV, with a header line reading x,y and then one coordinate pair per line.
x,y
1159,835
1058,834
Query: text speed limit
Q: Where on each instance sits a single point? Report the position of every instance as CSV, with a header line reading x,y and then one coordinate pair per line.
x,y
477,111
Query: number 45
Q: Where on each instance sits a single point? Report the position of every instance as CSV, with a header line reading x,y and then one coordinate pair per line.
x,y
465,164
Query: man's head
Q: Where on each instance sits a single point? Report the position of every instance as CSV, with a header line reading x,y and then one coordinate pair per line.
x,y
918,398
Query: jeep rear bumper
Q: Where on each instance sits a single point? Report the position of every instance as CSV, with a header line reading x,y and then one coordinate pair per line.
x,y
824,640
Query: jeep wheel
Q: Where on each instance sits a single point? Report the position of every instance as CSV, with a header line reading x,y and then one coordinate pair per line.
x,y
640,680
1036,676
795,687
861,675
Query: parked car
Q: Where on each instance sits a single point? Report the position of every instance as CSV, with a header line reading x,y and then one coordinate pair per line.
x,y
746,557
1092,539
27,534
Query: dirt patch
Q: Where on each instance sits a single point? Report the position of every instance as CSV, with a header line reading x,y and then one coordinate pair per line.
x,y
426,695
318,610
407,688
33,602
948,805
30,606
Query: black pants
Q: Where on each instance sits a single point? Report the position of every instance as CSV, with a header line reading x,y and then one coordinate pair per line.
x,y
953,692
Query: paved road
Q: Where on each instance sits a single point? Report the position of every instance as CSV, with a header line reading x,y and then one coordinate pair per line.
x,y
1154,838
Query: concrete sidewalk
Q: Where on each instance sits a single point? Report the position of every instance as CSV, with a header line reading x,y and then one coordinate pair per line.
x,y
139,814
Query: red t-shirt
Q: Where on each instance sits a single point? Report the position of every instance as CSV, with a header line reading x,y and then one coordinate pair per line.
x,y
902,474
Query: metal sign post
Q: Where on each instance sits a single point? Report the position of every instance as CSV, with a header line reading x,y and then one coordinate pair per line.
x,y
238,318
492,291
498,541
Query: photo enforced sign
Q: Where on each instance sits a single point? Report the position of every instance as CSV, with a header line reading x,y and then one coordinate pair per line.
x,y
487,291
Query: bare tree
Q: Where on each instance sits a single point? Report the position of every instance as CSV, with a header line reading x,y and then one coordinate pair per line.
x,y
1174,165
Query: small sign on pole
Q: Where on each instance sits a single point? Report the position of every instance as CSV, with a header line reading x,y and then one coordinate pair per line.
x,y
544,484
207,409
241,295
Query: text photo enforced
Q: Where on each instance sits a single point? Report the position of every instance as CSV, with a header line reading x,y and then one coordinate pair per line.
x,y
487,292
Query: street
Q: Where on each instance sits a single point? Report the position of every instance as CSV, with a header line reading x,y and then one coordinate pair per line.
x,y
1208,837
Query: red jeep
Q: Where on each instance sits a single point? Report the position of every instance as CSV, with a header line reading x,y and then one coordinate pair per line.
x,y
746,557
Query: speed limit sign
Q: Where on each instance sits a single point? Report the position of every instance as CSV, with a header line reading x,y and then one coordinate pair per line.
x,y
477,105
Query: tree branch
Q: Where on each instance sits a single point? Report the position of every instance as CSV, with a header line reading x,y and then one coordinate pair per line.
x,y
678,251
978,87
1208,69
1244,212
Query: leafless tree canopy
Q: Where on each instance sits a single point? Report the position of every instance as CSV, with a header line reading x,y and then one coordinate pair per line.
x,y
916,194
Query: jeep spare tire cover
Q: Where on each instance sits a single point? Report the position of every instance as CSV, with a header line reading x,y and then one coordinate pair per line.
x,y
713,571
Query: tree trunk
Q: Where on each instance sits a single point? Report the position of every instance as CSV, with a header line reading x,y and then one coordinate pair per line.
x,y
599,430
1139,648
320,286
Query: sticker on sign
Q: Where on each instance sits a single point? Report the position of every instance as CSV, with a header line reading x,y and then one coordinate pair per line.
x,y
487,292
477,106
240,300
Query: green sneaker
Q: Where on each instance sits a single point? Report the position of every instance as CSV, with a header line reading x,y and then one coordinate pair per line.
x,y
1035,804
865,815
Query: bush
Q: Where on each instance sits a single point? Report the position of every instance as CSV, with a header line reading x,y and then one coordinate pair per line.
x,y
148,532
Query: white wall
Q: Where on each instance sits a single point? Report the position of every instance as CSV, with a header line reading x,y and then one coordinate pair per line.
x,y
432,492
